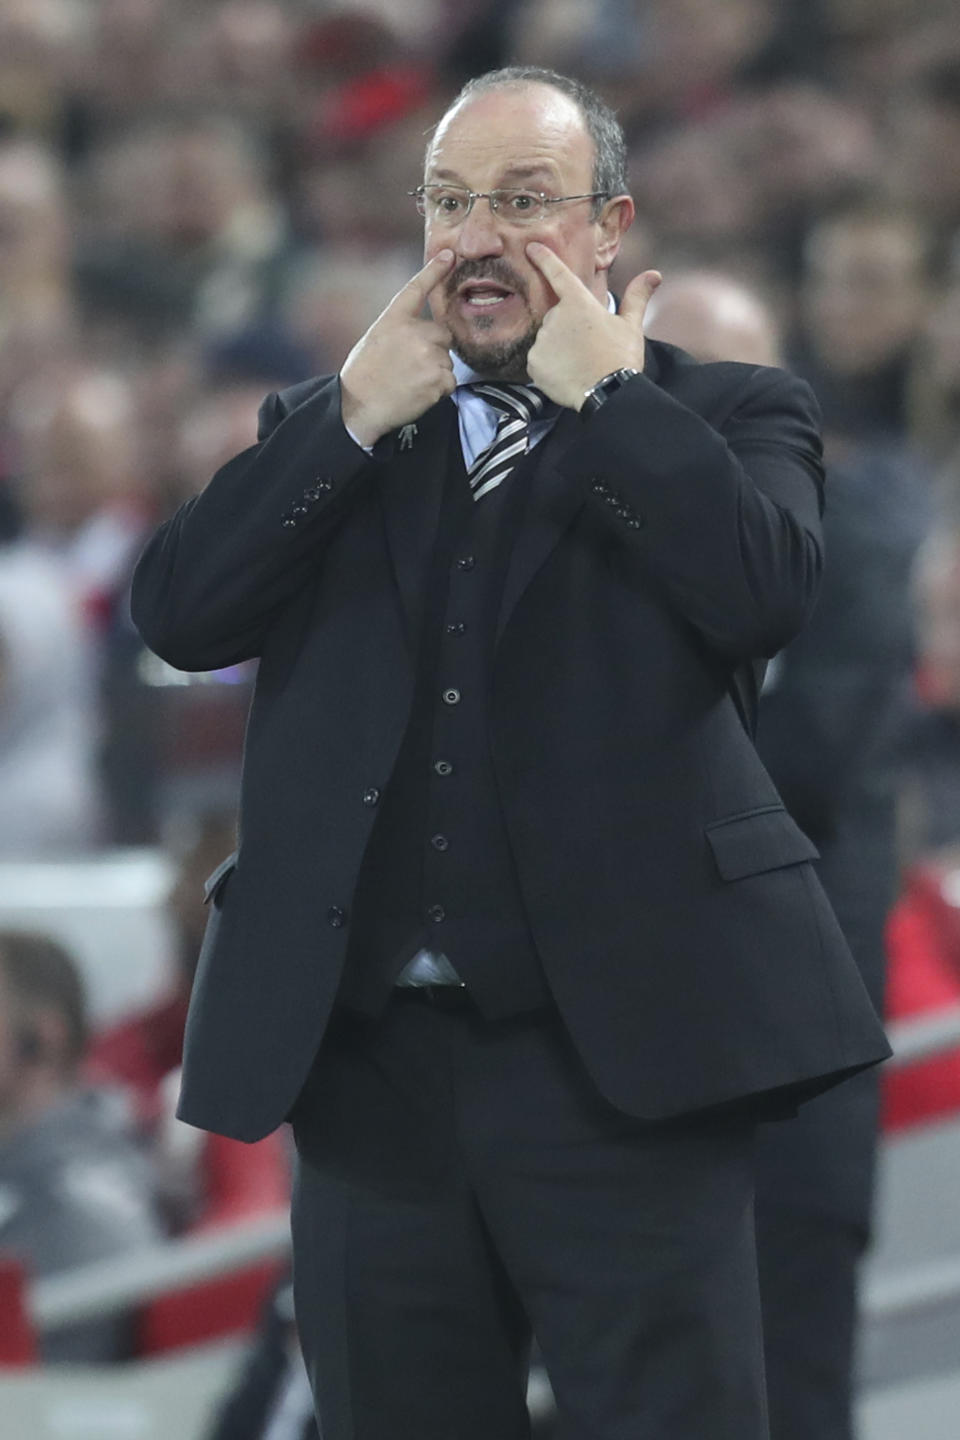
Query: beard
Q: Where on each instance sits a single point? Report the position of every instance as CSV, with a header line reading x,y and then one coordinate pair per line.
x,y
496,359
491,359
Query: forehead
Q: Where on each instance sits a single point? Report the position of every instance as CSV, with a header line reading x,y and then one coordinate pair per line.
x,y
521,132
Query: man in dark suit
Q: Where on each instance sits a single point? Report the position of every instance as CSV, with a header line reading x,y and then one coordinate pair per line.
x,y
518,933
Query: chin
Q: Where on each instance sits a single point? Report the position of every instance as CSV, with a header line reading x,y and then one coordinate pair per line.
x,y
496,359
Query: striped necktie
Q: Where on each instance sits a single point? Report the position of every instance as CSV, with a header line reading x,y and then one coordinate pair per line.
x,y
519,406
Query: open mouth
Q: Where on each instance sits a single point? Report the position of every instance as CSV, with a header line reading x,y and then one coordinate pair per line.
x,y
484,294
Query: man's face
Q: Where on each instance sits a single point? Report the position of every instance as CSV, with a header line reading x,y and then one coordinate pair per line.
x,y
864,295
529,137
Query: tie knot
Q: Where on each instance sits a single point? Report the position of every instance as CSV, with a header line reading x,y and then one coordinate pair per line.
x,y
525,402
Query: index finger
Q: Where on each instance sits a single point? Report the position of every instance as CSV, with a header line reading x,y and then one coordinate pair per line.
x,y
416,292
558,274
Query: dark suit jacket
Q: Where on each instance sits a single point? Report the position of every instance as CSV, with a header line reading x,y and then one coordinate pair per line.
x,y
669,542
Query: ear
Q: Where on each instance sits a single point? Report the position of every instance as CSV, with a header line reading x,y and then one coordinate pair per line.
x,y
613,222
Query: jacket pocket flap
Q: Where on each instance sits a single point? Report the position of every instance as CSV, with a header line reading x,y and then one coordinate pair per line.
x,y
215,882
759,840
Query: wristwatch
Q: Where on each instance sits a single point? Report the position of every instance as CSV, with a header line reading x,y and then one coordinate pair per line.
x,y
600,393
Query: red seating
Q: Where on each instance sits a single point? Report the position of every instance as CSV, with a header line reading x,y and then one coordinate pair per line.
x,y
17,1342
239,1182
923,950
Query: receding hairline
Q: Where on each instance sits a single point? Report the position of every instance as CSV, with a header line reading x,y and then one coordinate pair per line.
x,y
597,119
468,96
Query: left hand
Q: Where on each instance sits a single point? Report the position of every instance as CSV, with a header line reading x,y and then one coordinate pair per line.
x,y
580,340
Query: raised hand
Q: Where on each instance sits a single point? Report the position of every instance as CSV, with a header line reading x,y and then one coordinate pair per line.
x,y
401,366
579,340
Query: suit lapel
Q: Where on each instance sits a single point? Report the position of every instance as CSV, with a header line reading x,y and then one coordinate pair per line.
x,y
552,502
411,491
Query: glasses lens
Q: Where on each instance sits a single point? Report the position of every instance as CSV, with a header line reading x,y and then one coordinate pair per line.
x,y
448,203
519,207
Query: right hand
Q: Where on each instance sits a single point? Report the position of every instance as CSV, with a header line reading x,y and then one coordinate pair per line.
x,y
402,365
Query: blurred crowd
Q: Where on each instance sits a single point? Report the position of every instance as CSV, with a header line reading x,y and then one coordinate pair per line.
x,y
204,200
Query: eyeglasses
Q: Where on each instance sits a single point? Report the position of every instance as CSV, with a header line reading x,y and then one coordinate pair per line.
x,y
451,204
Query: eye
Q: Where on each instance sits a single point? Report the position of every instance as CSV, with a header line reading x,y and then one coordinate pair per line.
x,y
522,202
447,201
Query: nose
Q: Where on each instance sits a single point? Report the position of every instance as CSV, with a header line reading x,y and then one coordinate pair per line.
x,y
480,233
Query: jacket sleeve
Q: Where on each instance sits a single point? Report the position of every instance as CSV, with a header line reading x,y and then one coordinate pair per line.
x,y
726,520
213,576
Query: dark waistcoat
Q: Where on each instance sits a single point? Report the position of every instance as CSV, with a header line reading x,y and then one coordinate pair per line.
x,y
438,870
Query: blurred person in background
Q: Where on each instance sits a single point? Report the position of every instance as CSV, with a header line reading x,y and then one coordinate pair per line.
x,y
49,801
79,485
74,1186
598,922
924,138
38,42
36,302
866,293
934,391
832,714
183,228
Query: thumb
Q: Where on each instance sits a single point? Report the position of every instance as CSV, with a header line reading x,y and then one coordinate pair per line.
x,y
637,295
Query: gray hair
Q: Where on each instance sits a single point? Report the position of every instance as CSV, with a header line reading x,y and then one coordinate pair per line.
x,y
603,127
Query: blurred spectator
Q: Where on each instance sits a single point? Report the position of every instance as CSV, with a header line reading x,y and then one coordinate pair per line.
x,y
141,1051
183,230
79,490
925,128
713,317
36,302
865,296
830,716
49,804
38,39
75,1187
934,392
334,295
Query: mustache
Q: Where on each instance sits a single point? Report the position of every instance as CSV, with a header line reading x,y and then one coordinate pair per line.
x,y
499,271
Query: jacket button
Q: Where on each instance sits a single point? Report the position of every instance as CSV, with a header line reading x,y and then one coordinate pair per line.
x,y
336,917
440,842
451,696
636,522
371,796
466,562
289,523
600,488
457,627
443,767
437,914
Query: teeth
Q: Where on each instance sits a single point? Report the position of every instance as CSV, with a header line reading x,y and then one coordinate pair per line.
x,y
487,299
